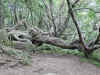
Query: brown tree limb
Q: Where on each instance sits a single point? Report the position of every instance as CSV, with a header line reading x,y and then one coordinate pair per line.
x,y
45,38
73,5
76,24
62,27
38,37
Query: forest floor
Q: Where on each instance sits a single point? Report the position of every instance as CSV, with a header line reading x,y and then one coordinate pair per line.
x,y
44,64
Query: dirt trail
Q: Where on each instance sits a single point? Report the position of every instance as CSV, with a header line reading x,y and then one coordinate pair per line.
x,y
53,65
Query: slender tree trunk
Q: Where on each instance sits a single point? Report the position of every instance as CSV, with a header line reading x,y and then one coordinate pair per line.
x,y
1,14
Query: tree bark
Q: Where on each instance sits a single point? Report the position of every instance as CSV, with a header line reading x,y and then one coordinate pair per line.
x,y
1,14
38,37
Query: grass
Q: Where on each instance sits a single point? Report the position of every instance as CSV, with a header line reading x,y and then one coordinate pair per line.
x,y
23,57
48,49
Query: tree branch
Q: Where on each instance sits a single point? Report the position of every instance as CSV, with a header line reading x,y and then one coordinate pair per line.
x,y
86,9
62,28
76,24
73,5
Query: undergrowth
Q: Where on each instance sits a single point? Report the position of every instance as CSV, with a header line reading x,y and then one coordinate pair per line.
x,y
22,56
25,57
94,58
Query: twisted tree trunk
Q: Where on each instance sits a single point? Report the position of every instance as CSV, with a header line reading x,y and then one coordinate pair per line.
x,y
39,37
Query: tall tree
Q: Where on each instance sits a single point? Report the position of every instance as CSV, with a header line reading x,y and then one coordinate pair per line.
x,y
1,14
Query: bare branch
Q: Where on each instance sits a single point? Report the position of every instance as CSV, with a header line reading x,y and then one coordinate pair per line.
x,y
95,42
44,37
86,9
73,5
76,24
62,28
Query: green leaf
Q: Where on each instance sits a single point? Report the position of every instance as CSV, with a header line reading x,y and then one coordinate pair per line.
x,y
91,14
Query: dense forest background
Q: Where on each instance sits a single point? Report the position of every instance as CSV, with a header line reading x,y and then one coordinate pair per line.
x,y
54,26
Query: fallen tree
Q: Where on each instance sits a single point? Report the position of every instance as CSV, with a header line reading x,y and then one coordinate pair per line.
x,y
36,36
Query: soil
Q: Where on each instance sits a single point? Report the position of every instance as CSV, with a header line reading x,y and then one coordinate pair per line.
x,y
44,64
